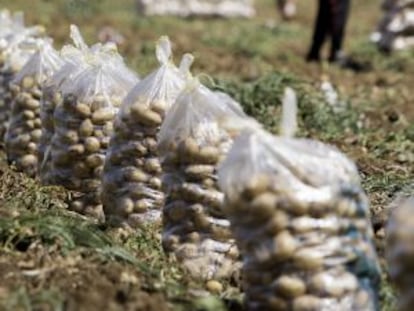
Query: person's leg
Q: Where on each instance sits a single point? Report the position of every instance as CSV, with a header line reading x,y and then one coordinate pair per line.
x,y
340,13
322,26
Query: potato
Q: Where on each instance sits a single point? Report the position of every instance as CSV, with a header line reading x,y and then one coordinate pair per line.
x,y
307,303
155,183
94,160
141,206
208,154
35,135
28,82
324,283
86,128
256,186
31,104
277,304
304,224
188,148
28,115
134,175
28,160
152,165
278,222
199,171
102,115
76,150
284,245
290,287
125,206
144,115
92,144
308,259
264,204
83,110
159,106
69,137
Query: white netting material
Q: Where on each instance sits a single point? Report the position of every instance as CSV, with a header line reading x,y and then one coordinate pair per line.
x,y
301,222
191,145
83,125
132,192
24,130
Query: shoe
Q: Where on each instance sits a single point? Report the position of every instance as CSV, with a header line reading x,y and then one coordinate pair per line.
x,y
347,62
312,58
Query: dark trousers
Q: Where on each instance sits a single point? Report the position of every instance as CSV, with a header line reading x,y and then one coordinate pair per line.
x,y
331,21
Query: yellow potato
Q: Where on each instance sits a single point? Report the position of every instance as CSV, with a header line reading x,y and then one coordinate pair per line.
x,y
284,245
28,82
264,204
92,144
83,110
103,115
76,150
307,303
144,115
86,128
94,160
290,286
308,259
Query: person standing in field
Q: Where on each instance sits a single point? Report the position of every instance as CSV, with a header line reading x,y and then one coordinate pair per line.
x,y
330,22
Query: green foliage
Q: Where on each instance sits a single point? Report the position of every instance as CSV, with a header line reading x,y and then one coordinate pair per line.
x,y
262,100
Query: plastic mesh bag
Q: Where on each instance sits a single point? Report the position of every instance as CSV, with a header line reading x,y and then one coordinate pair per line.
x,y
191,144
396,29
17,45
301,222
400,250
222,8
83,126
74,57
24,131
132,192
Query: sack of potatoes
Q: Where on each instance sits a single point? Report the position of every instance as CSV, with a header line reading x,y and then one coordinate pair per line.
x,y
73,57
24,131
17,45
191,145
83,125
400,250
131,187
301,222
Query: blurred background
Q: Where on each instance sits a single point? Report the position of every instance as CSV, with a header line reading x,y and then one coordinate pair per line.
x,y
239,48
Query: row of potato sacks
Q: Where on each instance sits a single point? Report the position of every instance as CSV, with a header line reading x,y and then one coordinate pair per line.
x,y
396,28
161,166
308,227
17,44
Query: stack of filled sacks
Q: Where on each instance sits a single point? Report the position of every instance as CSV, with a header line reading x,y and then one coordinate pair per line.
x,y
132,192
17,45
191,145
73,57
24,130
301,222
222,8
400,250
396,29
83,125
